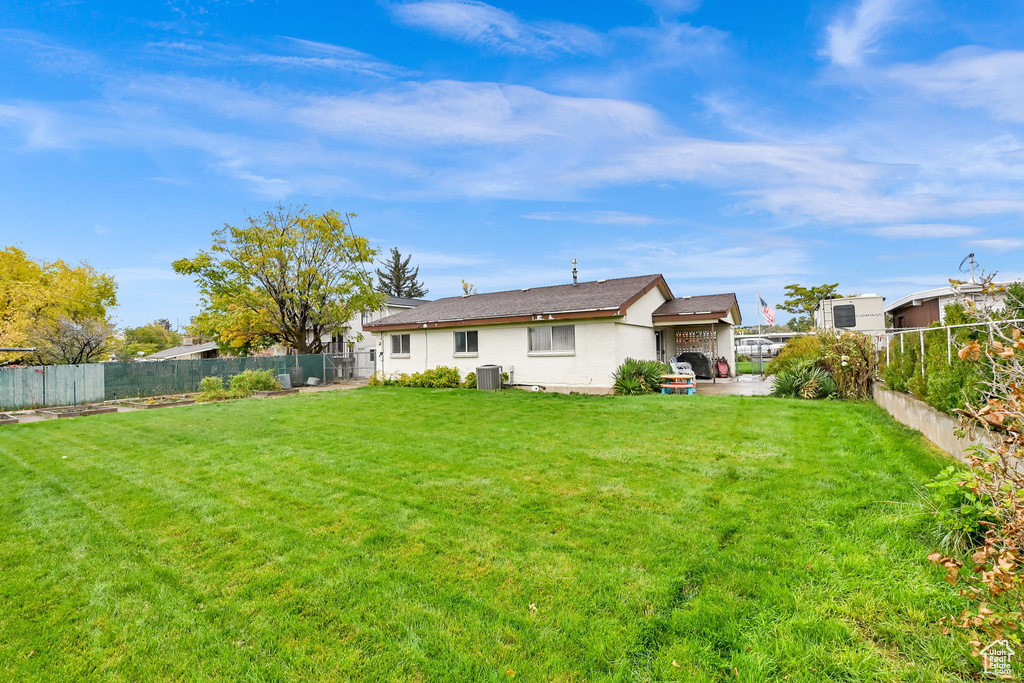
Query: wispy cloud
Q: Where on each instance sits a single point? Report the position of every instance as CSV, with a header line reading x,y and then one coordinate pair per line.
x,y
971,78
851,37
481,24
922,231
597,217
281,53
999,243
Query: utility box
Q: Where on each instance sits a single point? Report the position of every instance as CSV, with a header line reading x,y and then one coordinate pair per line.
x,y
488,378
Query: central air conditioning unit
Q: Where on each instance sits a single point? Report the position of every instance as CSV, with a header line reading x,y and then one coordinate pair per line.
x,y
488,378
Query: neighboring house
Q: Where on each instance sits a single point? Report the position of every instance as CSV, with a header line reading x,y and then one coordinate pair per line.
x,y
862,313
921,309
564,336
353,338
187,351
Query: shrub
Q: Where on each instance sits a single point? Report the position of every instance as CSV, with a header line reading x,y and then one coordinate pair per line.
x,y
947,381
638,377
990,498
804,350
251,381
961,510
851,360
211,384
211,389
470,381
804,381
441,377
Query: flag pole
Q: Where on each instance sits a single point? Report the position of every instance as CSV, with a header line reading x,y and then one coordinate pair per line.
x,y
760,353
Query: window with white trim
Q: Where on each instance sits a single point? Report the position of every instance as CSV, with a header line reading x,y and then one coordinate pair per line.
x,y
553,338
466,342
400,344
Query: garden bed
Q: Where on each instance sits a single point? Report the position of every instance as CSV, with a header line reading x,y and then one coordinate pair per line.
x,y
159,402
279,392
76,411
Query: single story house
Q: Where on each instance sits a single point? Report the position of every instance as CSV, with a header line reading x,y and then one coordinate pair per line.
x,y
570,336
187,351
921,309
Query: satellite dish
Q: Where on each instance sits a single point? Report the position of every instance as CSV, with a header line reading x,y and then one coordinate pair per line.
x,y
969,257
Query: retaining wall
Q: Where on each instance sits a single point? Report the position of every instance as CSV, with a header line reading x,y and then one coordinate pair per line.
x,y
937,427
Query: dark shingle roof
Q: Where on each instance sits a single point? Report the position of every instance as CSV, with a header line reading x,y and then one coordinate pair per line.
x,y
605,296
402,301
704,305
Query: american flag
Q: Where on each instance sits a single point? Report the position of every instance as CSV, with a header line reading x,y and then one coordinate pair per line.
x,y
769,312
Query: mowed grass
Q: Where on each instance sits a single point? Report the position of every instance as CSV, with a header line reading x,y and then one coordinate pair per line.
x,y
404,534
751,367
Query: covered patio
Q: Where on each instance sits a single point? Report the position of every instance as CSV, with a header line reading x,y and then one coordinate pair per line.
x,y
698,324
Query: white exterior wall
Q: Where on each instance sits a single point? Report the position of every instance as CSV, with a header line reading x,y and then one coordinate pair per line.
x,y
727,346
601,345
995,301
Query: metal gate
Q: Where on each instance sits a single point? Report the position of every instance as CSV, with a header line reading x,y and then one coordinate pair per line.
x,y
342,367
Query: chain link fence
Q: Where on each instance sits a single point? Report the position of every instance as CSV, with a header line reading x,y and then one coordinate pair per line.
x,y
64,385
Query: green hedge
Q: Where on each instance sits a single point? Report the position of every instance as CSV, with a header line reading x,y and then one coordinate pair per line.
x,y
947,382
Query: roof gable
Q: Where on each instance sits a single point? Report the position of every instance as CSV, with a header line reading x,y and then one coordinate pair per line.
x,y
707,306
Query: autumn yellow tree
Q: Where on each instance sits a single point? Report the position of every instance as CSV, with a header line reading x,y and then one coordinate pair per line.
x,y
41,301
286,276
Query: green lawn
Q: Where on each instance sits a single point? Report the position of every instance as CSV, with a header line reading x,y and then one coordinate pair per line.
x,y
403,534
748,367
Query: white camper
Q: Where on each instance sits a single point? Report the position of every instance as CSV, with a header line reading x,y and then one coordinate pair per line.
x,y
862,313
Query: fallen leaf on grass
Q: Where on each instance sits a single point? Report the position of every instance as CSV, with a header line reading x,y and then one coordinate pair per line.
x,y
533,607
675,664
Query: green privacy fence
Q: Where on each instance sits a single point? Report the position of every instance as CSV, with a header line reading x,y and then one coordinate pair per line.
x,y
131,380
62,385
51,385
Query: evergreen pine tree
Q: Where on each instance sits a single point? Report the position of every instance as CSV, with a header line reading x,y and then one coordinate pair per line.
x,y
398,278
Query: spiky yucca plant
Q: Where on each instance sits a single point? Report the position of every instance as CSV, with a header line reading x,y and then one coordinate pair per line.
x,y
635,377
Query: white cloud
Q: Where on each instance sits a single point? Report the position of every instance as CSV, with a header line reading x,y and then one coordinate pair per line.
x,y
456,112
596,217
851,37
482,24
922,231
999,243
437,139
282,53
971,78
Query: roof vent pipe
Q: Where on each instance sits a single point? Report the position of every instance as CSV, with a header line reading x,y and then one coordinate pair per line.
x,y
574,271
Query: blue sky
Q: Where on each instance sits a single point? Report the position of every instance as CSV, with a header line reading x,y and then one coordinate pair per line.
x,y
733,146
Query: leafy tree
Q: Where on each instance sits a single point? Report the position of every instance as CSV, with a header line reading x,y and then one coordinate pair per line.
x,y
149,339
287,275
39,299
398,278
802,301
